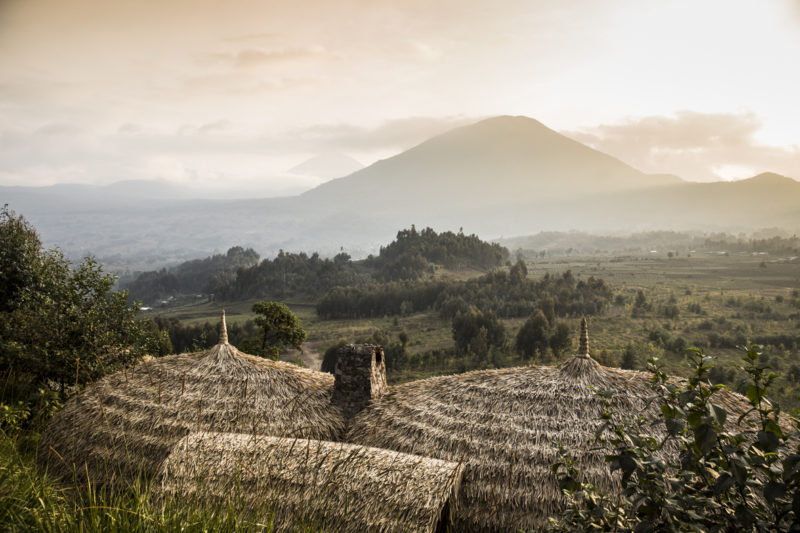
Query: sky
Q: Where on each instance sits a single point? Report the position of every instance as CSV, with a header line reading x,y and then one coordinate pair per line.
x,y
228,96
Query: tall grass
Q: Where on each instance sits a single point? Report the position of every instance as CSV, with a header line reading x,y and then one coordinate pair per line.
x,y
30,501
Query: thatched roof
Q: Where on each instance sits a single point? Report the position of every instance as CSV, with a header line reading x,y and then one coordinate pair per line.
x,y
126,423
505,425
328,486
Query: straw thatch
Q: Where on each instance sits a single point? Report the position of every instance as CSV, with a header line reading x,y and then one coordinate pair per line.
x,y
505,425
327,486
125,424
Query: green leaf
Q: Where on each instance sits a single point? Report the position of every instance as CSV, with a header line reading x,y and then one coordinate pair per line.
x,y
773,427
693,419
719,413
753,394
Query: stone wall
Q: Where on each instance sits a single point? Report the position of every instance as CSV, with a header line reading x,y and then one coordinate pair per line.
x,y
360,376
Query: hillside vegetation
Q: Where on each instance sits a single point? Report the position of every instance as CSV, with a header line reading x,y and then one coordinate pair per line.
x,y
239,275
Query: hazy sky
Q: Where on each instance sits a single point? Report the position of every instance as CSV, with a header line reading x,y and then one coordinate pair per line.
x,y
234,93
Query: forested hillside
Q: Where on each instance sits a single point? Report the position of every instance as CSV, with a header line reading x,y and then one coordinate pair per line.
x,y
413,255
196,276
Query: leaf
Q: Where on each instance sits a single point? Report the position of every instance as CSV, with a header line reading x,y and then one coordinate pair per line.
x,y
694,419
753,394
705,436
739,472
791,465
719,413
768,441
773,427
723,483
774,490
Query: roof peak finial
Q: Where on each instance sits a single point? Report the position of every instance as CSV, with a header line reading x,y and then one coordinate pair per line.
x,y
583,350
223,331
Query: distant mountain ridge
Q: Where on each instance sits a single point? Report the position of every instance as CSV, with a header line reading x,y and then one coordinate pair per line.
x,y
493,161
502,176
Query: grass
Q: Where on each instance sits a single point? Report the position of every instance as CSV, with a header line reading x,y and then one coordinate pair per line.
x,y
30,501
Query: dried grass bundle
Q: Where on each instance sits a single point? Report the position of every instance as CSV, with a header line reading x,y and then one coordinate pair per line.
x,y
327,485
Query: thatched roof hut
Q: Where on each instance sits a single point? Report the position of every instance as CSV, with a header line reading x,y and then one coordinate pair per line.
x,y
328,486
502,426
505,426
126,424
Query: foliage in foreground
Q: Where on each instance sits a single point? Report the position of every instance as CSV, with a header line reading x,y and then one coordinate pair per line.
x,y
60,326
742,479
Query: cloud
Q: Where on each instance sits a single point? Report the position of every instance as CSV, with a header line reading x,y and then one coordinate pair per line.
x,y
696,146
399,134
257,57
220,152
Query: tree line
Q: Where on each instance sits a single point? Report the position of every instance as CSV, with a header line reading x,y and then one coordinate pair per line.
x,y
239,274
192,277
507,294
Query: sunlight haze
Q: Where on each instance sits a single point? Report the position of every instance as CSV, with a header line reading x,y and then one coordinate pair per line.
x,y
230,96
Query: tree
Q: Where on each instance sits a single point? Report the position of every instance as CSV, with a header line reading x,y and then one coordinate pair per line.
x,y
641,300
518,273
548,307
467,327
59,327
403,337
629,359
561,339
479,344
532,337
20,259
280,328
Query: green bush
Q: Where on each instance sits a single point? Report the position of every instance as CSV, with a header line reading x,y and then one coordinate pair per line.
x,y
747,479
61,326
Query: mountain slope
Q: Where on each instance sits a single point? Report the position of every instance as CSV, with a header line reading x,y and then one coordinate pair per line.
x,y
327,166
493,161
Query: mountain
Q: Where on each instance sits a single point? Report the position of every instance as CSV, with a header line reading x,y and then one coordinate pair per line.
x,y
500,177
492,162
327,166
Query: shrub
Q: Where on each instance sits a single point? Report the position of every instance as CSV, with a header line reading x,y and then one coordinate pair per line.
x,y
747,479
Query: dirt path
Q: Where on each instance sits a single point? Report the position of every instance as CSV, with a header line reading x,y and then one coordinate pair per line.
x,y
311,356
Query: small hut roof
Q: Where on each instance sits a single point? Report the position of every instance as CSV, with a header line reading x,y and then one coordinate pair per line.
x,y
505,425
328,485
125,424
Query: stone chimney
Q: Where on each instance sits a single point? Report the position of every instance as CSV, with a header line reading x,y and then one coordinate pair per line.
x,y
360,376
